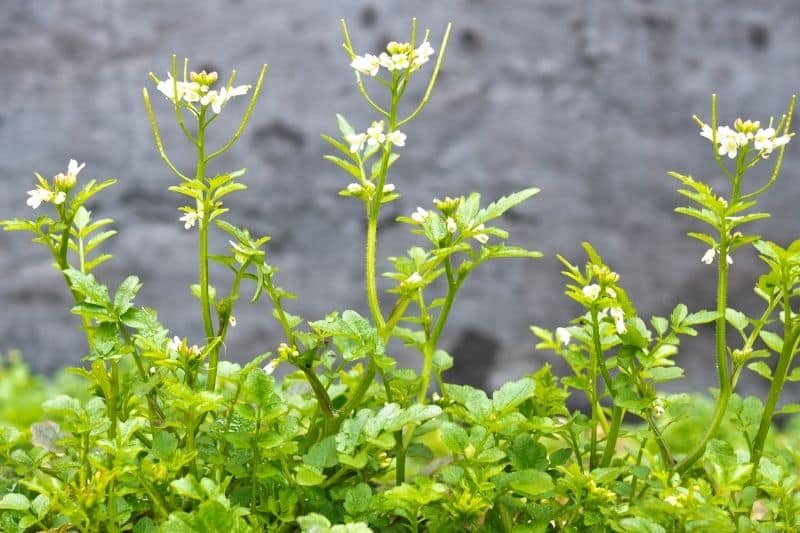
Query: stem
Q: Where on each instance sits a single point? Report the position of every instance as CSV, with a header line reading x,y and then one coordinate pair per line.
x,y
113,399
778,381
722,356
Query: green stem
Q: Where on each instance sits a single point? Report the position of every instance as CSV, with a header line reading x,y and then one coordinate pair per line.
x,y
113,400
778,381
722,357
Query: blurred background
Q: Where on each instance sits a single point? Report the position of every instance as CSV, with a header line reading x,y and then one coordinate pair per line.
x,y
590,101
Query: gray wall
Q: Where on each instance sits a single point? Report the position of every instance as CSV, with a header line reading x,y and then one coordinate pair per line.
x,y
589,100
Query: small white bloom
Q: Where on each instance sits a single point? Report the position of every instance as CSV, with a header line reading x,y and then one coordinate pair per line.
x,y
189,219
729,259
414,279
195,350
591,291
356,141
728,141
452,227
389,187
421,55
270,367
563,336
707,132
73,168
174,344
375,133
217,99
480,237
420,215
59,198
400,61
37,196
619,319
763,139
152,371
397,138
366,64
386,61
232,321
708,257
611,292
355,188
777,142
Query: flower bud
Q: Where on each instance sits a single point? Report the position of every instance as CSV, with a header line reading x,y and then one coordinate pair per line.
x,y
64,182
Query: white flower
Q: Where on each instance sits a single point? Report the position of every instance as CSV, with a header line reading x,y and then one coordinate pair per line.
x,y
708,257
270,367
59,198
707,132
190,218
420,215
366,64
480,237
452,227
421,55
591,291
394,61
195,350
389,187
37,196
232,321
217,99
414,279
73,168
386,61
763,139
356,141
729,141
611,292
563,336
174,344
619,319
729,259
354,188
375,133
189,91
396,137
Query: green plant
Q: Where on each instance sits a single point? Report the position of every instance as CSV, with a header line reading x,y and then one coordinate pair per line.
x,y
169,437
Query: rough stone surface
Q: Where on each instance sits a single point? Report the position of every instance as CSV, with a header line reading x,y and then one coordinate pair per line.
x,y
589,100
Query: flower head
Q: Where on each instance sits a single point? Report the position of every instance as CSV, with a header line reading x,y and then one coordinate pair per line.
x,y
217,99
397,138
619,319
375,133
367,64
563,336
708,257
452,227
592,291
420,215
356,141
190,218
421,55
37,196
481,237
65,182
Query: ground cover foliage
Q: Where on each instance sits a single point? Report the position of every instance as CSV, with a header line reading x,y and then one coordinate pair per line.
x,y
324,431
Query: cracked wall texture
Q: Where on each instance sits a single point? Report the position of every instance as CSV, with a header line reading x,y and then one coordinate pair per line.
x,y
589,100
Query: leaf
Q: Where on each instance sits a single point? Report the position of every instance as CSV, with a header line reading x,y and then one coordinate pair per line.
x,y
454,437
348,167
773,341
512,394
15,502
87,286
187,487
700,317
736,319
123,299
762,369
678,314
638,524
309,476
322,454
529,482
47,435
40,506
344,127
665,373
526,452
500,206
789,409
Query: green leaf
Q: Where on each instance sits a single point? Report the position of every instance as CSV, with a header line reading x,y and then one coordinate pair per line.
x,y
123,299
665,373
15,502
512,394
789,409
497,208
344,127
700,317
40,506
322,454
736,319
529,482
526,452
454,437
348,167
773,341
309,476
638,524
90,290
187,487
762,369
678,314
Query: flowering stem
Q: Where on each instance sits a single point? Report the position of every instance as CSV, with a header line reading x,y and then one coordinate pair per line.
x,y
791,333
721,353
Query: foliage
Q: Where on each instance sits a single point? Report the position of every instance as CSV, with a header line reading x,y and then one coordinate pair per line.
x,y
164,436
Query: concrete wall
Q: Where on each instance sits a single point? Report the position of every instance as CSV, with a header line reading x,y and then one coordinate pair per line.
x,y
589,100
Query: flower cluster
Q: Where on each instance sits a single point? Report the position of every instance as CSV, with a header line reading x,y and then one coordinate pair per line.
x,y
374,136
181,347
731,140
190,217
62,184
198,89
397,57
592,293
708,257
447,207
